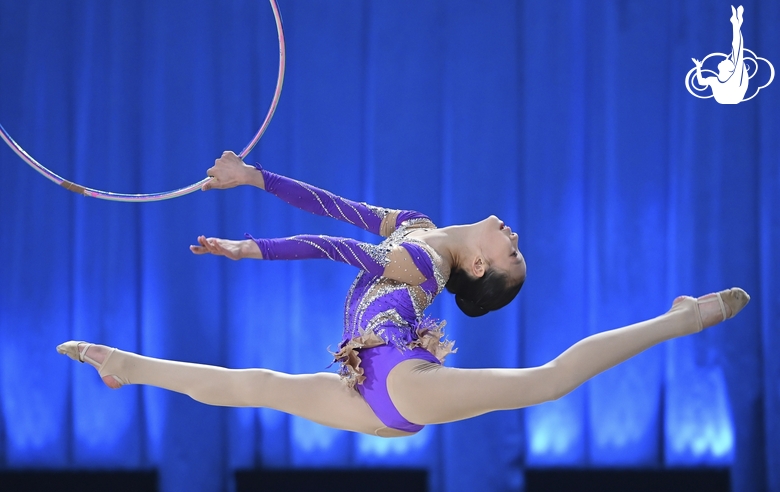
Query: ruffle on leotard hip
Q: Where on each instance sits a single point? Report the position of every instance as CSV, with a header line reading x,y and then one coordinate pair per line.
x,y
429,333
429,336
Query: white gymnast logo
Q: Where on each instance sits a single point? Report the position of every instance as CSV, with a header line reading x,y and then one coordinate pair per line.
x,y
730,84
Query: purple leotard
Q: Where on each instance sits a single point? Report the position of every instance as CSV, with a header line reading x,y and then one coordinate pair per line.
x,y
384,321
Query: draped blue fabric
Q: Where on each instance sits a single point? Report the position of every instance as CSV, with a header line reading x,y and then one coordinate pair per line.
x,y
569,120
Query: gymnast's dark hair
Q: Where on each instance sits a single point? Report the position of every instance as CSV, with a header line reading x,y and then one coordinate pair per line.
x,y
477,296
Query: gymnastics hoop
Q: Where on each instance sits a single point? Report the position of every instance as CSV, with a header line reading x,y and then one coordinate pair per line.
x,y
153,197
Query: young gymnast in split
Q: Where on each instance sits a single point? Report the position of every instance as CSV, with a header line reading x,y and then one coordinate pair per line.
x,y
392,381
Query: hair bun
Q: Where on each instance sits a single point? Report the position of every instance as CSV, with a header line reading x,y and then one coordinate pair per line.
x,y
470,308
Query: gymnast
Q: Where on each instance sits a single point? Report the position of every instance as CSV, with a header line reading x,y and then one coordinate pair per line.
x,y
392,380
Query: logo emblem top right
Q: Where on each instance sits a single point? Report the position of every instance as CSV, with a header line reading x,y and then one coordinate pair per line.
x,y
731,83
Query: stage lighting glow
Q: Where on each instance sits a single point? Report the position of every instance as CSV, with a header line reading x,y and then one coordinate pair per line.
x,y
309,436
699,423
555,432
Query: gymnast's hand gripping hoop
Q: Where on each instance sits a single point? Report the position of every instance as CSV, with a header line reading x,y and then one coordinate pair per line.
x,y
153,197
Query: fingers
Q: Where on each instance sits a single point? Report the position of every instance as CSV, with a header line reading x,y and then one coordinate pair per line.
x,y
206,246
223,169
198,250
209,185
227,156
210,244
210,172
215,247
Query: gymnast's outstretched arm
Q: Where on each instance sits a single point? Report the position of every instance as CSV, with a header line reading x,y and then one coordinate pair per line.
x,y
229,171
407,263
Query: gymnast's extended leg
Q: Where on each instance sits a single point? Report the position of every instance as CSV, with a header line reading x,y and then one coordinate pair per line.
x,y
426,393
322,397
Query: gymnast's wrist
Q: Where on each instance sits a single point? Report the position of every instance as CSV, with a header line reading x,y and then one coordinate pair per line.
x,y
250,249
254,177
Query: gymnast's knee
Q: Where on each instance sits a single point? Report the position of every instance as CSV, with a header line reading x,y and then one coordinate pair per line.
x,y
235,388
560,381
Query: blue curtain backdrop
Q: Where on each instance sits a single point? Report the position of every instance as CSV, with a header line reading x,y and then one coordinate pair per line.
x,y
570,120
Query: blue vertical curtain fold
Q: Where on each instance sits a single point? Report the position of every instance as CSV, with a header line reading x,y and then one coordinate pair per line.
x,y
569,120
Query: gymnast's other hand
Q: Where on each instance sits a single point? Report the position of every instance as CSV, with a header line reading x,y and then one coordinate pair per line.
x,y
229,171
235,250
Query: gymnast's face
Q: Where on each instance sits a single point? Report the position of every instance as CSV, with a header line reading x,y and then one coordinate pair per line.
x,y
498,246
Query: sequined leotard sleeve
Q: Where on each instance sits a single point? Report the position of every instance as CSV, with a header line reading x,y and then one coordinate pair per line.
x,y
379,220
376,260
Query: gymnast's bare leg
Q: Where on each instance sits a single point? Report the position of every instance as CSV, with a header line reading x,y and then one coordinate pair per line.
x,y
321,398
424,393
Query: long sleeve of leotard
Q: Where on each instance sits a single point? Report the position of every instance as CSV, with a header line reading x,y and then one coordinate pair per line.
x,y
382,221
408,263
